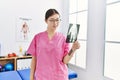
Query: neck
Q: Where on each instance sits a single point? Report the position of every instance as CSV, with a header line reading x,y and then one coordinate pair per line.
x,y
51,32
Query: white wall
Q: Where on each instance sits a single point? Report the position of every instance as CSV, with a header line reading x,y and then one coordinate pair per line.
x,y
10,10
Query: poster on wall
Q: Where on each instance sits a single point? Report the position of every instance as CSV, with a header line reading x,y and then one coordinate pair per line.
x,y
23,28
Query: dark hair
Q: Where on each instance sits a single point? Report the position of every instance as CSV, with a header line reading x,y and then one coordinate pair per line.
x,y
50,12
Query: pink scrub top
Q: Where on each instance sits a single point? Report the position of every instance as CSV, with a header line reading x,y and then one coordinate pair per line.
x,y
49,54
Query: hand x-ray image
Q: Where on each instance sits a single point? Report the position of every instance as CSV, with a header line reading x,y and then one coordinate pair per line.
x,y
72,33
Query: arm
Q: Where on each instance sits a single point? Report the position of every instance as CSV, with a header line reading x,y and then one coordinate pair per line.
x,y
33,65
68,57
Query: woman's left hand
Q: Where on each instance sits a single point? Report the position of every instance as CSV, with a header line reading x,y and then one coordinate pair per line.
x,y
76,45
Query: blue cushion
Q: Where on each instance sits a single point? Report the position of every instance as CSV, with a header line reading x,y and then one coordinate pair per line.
x,y
71,74
25,74
10,75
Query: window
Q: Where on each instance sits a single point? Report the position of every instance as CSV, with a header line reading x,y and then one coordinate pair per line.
x,y
78,15
112,43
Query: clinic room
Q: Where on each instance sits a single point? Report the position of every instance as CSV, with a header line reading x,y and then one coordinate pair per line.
x,y
59,39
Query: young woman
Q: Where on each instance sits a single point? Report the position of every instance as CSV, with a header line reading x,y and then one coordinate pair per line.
x,y
50,52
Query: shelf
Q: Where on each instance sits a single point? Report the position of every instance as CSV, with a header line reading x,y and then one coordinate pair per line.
x,y
5,60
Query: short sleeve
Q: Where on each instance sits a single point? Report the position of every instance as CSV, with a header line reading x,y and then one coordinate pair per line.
x,y
66,48
32,47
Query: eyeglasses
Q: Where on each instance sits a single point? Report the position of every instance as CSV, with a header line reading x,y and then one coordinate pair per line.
x,y
54,20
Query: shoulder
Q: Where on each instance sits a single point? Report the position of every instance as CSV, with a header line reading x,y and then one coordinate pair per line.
x,y
61,35
40,34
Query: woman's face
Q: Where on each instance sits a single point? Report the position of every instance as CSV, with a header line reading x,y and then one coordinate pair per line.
x,y
53,21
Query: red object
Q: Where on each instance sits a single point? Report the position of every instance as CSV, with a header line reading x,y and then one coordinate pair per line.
x,y
12,55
